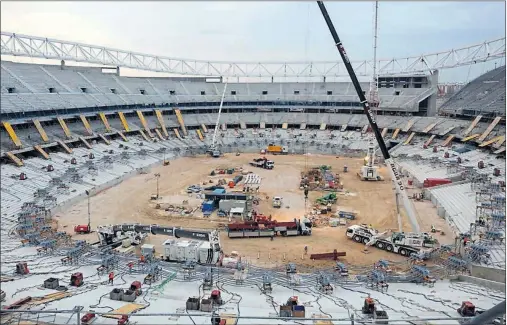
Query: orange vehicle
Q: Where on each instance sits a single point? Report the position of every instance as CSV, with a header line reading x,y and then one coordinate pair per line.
x,y
277,150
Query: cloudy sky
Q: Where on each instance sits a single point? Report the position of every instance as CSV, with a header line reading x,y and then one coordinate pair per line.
x,y
263,31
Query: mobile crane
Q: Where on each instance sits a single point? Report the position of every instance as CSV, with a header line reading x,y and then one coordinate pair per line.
x,y
212,149
395,175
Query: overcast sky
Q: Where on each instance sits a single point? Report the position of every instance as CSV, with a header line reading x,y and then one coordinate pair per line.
x,y
263,31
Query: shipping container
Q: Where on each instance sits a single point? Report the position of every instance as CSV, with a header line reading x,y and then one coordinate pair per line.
x,y
227,205
208,206
431,182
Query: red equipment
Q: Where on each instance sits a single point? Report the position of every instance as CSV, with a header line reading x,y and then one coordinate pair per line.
x,y
467,309
216,297
22,176
136,287
22,268
87,318
124,319
82,229
446,155
430,182
76,279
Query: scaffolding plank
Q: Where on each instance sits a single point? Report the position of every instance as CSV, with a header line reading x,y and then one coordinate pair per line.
x,y
86,124
124,121
124,138
448,141
491,141
285,126
384,132
14,159
199,134
472,125
125,310
159,134
204,128
41,130
489,129
177,132
64,127
144,135
430,140
395,134
409,125
64,146
499,151
179,117
410,137
262,125
322,126
471,137
105,121
41,151
86,143
12,134
429,127
161,122
499,143
104,139
302,126
344,128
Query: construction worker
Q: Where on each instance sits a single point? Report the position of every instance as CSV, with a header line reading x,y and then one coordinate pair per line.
x,y
111,277
306,249
142,259
465,241
433,229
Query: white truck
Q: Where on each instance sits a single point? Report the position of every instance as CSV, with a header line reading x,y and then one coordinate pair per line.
x,y
277,202
398,242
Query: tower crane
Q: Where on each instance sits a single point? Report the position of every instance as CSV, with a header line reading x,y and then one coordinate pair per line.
x,y
395,175
213,150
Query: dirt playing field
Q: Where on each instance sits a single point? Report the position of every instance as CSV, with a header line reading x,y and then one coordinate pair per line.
x,y
373,201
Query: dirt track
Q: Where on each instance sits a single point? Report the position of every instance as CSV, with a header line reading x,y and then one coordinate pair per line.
x,y
374,202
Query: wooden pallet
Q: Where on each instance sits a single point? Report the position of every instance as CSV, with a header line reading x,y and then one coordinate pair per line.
x,y
125,310
50,297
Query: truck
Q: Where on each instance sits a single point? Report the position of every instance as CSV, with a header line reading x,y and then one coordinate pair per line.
x,y
277,202
268,228
277,150
263,162
401,243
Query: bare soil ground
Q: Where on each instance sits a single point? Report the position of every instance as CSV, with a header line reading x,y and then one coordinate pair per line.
x,y
373,201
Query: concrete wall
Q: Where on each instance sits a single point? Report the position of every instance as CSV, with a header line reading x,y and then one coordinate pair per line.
x,y
498,286
488,273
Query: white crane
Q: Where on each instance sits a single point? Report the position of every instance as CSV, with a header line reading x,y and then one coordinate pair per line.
x,y
212,149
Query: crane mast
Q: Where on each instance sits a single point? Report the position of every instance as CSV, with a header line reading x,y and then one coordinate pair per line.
x,y
374,98
213,141
395,175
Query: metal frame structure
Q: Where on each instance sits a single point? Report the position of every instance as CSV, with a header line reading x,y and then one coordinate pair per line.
x,y
46,48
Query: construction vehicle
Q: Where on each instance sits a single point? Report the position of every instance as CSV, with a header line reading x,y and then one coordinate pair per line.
x,y
85,229
467,309
263,162
277,150
212,149
400,243
268,228
393,169
22,268
88,318
76,279
277,202
369,172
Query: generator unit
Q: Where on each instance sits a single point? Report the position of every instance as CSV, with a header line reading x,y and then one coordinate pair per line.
x,y
76,279
22,268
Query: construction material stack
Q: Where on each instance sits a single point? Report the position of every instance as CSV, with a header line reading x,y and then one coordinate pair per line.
x,y
320,179
268,228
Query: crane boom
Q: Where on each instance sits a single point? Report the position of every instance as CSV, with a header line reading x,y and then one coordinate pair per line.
x,y
218,119
398,181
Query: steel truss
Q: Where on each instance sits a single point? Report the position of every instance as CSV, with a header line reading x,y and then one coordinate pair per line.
x,y
46,48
